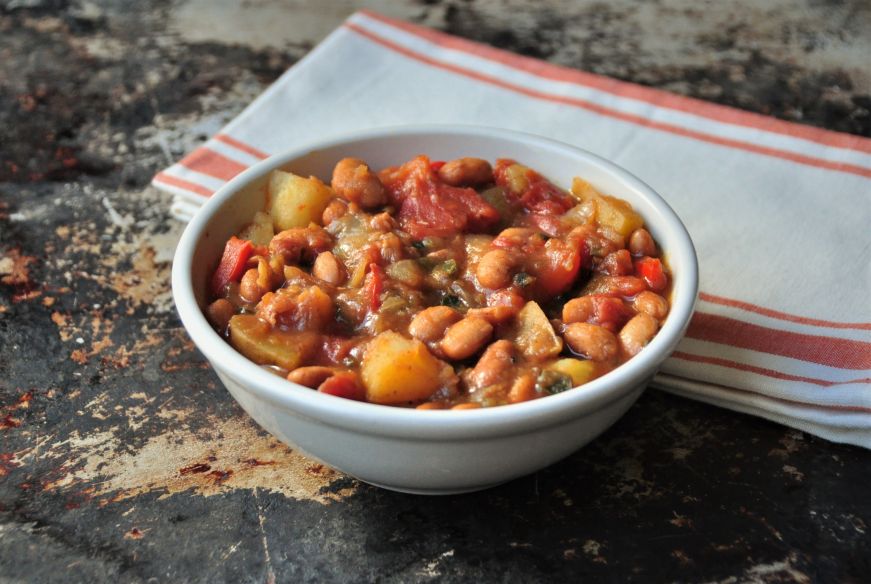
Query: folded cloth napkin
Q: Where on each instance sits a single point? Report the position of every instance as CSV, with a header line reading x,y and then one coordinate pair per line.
x,y
780,213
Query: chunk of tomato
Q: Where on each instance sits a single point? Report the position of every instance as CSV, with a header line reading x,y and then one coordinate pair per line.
x,y
557,266
429,207
545,198
611,313
535,193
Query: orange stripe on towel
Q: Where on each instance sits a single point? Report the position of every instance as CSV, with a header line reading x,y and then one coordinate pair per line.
x,y
211,163
605,111
829,351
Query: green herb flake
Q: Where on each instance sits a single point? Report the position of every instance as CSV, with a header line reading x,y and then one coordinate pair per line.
x,y
552,382
393,304
427,263
451,300
448,267
522,279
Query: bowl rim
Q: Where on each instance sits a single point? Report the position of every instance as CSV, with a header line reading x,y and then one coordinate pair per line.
x,y
446,425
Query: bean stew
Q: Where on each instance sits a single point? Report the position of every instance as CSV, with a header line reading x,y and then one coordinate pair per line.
x,y
439,285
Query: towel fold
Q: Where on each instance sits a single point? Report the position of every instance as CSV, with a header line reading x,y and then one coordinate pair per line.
x,y
780,213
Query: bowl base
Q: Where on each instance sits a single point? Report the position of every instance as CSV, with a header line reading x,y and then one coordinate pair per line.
x,y
434,492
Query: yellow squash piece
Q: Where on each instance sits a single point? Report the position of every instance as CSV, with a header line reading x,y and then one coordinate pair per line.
x,y
396,370
295,201
534,335
580,371
611,212
264,345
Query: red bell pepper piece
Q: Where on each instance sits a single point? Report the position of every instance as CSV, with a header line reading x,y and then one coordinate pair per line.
x,y
436,165
232,266
651,271
374,286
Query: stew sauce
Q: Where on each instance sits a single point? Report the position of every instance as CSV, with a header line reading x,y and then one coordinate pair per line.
x,y
439,285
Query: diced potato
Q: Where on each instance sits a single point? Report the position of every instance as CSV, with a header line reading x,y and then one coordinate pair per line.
x,y
534,335
580,371
610,212
264,345
396,370
618,215
295,201
580,214
583,191
259,231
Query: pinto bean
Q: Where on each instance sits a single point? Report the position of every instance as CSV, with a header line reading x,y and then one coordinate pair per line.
x,y
429,325
617,263
219,313
311,376
506,297
494,364
616,285
344,384
495,314
523,389
638,332
390,247
300,243
328,268
579,309
466,337
337,208
651,303
352,180
249,289
467,406
494,269
466,172
514,237
641,243
383,222
591,341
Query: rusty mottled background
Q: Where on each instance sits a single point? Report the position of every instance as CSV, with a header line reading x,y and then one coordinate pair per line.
x,y
122,458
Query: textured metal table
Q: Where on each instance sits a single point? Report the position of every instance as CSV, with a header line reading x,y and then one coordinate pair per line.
x,y
123,459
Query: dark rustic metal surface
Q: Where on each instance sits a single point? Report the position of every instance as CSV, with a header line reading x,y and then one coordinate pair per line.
x,y
122,457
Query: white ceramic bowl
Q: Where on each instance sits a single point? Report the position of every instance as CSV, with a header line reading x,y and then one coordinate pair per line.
x,y
429,451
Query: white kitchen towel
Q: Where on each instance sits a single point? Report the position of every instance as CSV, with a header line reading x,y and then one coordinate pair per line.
x,y
780,213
